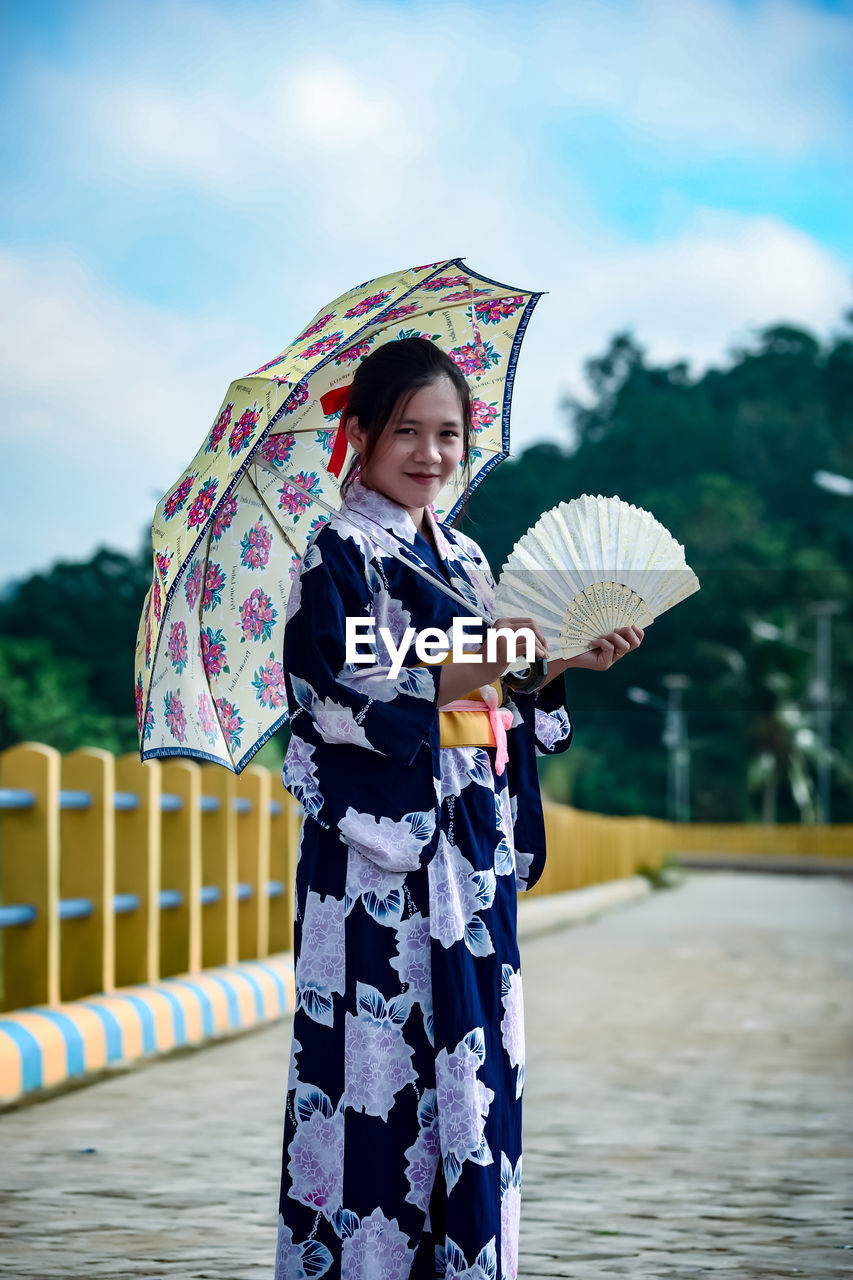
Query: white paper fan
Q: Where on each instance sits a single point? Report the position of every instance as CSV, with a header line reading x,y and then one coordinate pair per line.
x,y
590,566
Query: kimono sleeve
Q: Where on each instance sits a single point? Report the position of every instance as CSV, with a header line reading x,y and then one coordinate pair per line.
x,y
551,721
543,728
351,704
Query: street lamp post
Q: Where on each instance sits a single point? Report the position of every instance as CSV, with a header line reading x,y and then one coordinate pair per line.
x,y
674,738
676,732
823,612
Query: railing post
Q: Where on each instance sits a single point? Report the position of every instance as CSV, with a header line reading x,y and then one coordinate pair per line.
x,y
219,867
253,864
626,847
589,840
613,844
180,926
281,908
87,870
138,871
30,876
568,840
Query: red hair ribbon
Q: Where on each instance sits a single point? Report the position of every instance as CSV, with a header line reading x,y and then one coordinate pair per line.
x,y
330,403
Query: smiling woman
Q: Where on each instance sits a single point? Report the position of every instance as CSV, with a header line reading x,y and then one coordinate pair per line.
x,y
402,1136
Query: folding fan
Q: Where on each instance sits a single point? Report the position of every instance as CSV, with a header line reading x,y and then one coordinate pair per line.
x,y
590,566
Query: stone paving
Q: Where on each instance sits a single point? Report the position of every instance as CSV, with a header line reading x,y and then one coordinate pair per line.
x,y
689,1111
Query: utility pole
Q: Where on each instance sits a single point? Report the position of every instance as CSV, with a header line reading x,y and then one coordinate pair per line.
x,y
824,611
674,738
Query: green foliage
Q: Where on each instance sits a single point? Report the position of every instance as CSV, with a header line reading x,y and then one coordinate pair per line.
x,y
68,642
43,699
725,462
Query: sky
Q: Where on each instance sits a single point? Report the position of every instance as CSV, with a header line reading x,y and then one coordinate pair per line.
x,y
185,184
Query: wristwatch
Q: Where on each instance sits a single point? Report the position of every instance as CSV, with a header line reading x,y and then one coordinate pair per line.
x,y
529,679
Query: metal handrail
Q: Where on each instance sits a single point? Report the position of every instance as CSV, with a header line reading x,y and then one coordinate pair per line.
x,y
15,914
16,798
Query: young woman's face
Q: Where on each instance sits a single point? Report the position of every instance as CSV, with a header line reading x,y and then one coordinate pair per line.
x,y
418,450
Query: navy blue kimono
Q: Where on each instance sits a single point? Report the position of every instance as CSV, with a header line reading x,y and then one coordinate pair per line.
x,y
402,1135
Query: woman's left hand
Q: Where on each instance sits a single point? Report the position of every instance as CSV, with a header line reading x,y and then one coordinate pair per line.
x,y
608,649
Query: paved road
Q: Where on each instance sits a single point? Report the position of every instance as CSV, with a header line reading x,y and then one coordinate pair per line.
x,y
689,1111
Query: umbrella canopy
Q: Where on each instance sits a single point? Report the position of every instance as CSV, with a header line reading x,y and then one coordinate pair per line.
x,y
228,537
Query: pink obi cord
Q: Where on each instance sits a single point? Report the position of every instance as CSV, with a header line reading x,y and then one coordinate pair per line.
x,y
500,718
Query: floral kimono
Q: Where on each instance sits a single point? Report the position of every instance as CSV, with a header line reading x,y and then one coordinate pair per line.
x,y
402,1135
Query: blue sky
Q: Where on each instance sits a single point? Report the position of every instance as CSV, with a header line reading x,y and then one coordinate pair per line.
x,y
187,183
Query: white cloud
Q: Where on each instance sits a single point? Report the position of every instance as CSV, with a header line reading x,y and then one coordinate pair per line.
x,y
715,76
267,94
105,400
724,276
108,398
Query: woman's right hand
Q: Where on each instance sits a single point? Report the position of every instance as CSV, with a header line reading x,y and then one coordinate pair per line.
x,y
502,641
459,679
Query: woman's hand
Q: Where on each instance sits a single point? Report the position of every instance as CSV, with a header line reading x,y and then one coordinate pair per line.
x,y
608,649
457,679
514,625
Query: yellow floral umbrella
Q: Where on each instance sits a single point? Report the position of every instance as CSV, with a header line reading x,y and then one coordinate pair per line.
x,y
229,535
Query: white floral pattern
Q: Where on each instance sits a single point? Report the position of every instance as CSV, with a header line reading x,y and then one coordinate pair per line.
x,y
380,891
453,1265
523,865
505,818
456,893
461,766
463,1104
309,1260
510,1216
394,846
422,1156
412,963
377,1060
300,775
512,1023
552,727
335,723
321,970
376,1250
316,1154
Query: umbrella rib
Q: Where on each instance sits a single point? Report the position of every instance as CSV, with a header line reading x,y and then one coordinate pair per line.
x,y
267,506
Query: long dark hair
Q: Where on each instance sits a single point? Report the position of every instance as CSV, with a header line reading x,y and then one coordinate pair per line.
x,y
385,382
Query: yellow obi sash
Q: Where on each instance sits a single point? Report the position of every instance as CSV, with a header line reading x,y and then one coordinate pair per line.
x,y
466,728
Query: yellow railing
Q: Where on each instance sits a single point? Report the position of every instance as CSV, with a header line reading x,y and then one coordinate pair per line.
x,y
115,873
786,839
604,848
594,847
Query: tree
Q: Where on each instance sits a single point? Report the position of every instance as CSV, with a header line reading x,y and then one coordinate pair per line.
x,y
84,617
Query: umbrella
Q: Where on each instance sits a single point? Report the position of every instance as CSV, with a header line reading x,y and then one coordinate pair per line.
x,y
229,535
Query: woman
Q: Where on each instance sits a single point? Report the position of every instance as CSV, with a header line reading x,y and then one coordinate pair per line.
x,y
402,1140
